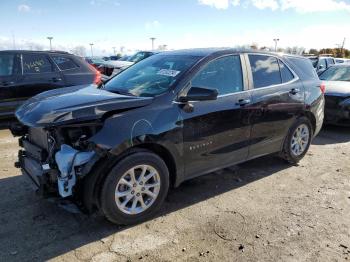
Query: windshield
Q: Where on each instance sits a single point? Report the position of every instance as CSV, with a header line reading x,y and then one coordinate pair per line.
x,y
152,76
336,73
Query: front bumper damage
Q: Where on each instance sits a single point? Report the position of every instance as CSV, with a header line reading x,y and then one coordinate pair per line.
x,y
59,177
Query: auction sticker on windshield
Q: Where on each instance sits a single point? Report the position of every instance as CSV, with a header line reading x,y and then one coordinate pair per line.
x,y
168,72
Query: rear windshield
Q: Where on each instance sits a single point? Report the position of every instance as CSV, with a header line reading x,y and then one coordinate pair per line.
x,y
336,73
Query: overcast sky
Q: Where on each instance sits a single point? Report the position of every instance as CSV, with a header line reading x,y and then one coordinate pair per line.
x,y
178,24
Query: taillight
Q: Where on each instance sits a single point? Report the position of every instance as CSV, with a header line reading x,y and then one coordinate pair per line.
x,y
98,77
323,88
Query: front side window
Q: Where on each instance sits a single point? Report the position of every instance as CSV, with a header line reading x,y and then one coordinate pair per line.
x,y
265,70
336,73
223,74
322,64
36,64
64,63
330,61
7,62
152,76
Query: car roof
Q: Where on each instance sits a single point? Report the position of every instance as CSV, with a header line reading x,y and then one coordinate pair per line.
x,y
204,52
31,51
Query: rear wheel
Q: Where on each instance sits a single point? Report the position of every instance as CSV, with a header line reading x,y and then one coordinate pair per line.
x,y
135,188
297,141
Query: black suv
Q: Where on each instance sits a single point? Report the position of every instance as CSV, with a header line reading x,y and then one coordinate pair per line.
x,y
24,74
169,118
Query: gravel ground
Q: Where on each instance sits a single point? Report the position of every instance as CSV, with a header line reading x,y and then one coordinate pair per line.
x,y
263,210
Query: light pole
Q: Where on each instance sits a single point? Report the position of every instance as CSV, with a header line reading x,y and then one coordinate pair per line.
x,y
92,54
152,39
50,39
114,50
276,41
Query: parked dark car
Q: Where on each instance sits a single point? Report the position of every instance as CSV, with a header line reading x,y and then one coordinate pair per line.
x,y
24,74
321,63
169,118
337,81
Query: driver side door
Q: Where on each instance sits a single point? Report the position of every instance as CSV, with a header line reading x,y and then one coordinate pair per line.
x,y
216,133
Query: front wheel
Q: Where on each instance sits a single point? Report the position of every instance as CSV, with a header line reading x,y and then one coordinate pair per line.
x,y
297,141
135,188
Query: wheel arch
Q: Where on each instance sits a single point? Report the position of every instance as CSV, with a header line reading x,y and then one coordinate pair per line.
x,y
92,184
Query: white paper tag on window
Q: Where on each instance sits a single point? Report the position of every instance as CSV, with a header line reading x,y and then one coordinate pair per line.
x,y
168,72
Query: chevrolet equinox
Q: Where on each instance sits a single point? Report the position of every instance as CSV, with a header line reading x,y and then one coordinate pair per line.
x,y
118,147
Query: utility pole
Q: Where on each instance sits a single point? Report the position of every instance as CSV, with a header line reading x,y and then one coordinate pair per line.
x,y
92,54
153,39
276,41
114,50
342,48
50,39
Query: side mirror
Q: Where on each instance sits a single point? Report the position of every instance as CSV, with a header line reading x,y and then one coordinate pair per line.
x,y
320,67
199,94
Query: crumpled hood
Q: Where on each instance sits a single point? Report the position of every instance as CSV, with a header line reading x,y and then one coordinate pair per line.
x,y
74,104
119,64
337,88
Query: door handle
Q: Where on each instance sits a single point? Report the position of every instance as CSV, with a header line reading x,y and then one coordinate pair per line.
x,y
55,79
294,91
243,102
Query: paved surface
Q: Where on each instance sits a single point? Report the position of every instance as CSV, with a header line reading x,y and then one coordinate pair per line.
x,y
263,210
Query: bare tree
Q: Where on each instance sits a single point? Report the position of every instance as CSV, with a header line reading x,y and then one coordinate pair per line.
x,y
79,50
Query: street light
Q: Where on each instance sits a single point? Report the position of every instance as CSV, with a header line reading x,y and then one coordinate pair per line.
x,y
276,40
92,54
50,39
152,39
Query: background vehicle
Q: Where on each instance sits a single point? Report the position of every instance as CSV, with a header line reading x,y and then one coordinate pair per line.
x,y
169,118
95,61
321,63
113,68
342,60
337,80
24,74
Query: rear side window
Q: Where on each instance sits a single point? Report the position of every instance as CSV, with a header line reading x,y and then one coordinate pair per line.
x,y
64,63
7,64
302,66
286,74
36,64
223,74
265,70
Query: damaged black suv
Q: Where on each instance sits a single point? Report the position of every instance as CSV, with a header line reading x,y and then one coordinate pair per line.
x,y
118,147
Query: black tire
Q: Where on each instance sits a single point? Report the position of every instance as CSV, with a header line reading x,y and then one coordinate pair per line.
x,y
107,197
286,152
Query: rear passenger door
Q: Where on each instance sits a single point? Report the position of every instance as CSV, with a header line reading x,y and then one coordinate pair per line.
x,y
72,72
277,98
39,74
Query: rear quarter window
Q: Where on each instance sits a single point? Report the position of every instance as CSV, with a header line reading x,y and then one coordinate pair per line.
x,y
64,63
303,67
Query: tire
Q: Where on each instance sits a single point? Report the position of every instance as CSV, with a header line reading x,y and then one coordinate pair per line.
x,y
288,151
134,189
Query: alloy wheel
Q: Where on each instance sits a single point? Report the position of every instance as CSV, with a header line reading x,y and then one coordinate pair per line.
x,y
300,139
137,189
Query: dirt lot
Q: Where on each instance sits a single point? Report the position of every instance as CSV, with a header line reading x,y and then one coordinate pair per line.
x,y
264,210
